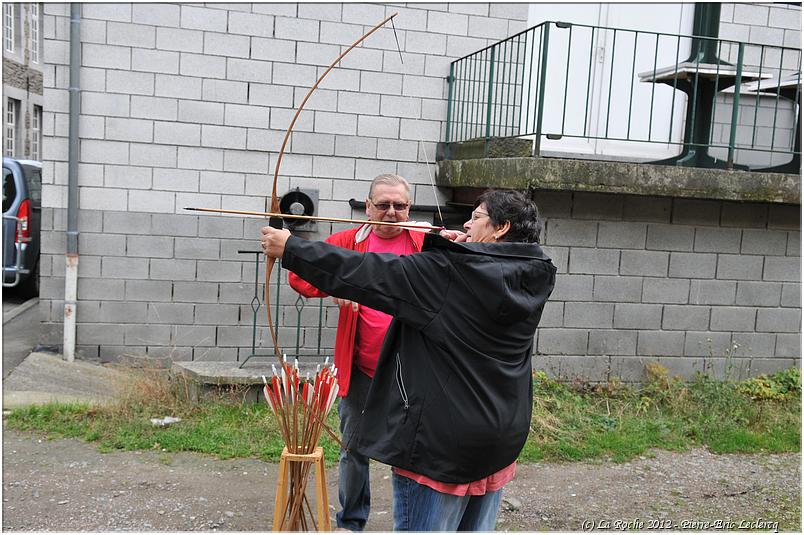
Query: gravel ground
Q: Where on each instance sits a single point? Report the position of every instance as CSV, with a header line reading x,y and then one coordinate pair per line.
x,y
67,485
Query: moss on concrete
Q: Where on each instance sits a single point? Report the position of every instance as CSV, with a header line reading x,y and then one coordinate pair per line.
x,y
495,147
621,177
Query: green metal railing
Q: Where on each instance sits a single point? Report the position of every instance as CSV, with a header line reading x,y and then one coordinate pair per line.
x,y
645,95
301,346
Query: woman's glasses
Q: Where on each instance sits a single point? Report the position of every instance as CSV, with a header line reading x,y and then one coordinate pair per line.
x,y
477,214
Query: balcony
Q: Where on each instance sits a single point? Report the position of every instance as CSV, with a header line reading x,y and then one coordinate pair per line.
x,y
590,108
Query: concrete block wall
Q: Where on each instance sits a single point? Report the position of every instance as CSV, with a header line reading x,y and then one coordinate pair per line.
x,y
187,105
774,33
772,23
696,285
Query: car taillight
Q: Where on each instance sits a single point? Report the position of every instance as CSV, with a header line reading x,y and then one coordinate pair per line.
x,y
23,225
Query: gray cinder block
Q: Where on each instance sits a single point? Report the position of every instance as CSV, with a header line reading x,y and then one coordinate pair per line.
x,y
779,320
693,265
617,289
685,317
787,269
752,293
612,342
733,319
563,341
648,263
741,267
713,292
148,290
594,261
171,313
598,315
660,343
637,316
665,290
147,335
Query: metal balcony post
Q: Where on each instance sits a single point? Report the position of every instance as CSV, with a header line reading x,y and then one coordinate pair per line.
x,y
735,106
489,99
543,74
450,87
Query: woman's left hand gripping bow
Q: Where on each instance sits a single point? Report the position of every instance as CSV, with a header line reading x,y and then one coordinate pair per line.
x,y
273,241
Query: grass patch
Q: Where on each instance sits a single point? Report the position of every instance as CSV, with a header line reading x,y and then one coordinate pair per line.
x,y
224,426
579,421
571,422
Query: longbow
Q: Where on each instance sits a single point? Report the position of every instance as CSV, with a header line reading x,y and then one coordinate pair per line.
x,y
276,222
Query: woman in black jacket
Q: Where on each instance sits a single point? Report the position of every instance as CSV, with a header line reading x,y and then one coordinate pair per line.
x,y
450,403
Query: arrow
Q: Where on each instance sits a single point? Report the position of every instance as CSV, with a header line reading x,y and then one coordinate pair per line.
x,y
316,218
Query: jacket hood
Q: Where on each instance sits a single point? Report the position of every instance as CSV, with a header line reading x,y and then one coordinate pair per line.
x,y
515,296
501,249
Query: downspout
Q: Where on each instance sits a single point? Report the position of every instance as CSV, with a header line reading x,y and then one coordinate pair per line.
x,y
71,273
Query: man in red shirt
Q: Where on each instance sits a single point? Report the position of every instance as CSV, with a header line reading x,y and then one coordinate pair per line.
x,y
360,334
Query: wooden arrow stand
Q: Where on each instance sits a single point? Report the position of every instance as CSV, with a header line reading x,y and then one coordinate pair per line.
x,y
282,488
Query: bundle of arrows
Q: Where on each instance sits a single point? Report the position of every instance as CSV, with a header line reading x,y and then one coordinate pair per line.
x,y
301,406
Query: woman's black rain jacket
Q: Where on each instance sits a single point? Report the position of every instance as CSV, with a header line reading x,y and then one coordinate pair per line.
x,y
452,393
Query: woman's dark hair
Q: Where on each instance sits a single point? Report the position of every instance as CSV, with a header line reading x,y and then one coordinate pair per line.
x,y
514,206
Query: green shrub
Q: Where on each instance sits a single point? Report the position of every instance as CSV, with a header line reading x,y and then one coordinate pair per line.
x,y
777,387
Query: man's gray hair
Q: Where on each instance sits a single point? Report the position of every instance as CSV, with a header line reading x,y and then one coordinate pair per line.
x,y
389,180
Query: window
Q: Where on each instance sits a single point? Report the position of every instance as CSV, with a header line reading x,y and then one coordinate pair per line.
x,y
36,133
9,189
34,179
35,33
12,110
8,27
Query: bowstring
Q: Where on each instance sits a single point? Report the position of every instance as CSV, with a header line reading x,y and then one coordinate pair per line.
x,y
421,143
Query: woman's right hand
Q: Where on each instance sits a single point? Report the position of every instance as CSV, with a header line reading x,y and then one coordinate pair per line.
x,y
454,235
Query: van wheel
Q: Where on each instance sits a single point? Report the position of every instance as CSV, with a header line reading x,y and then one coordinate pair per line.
x,y
30,287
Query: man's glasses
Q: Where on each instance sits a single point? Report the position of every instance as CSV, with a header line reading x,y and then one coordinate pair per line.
x,y
398,206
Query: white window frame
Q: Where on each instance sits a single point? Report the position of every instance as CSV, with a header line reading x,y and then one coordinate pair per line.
x,y
35,32
8,27
36,133
11,127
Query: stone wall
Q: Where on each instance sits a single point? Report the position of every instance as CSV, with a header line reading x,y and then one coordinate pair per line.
x,y
21,77
23,80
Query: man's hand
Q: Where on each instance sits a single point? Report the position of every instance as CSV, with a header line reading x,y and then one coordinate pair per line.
x,y
454,235
345,303
273,241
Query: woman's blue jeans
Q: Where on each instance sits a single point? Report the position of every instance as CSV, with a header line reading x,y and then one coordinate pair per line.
x,y
419,508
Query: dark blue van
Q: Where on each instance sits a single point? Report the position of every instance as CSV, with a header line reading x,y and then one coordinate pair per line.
x,y
22,211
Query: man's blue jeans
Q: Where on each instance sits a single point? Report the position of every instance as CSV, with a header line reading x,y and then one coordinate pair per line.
x,y
419,508
354,492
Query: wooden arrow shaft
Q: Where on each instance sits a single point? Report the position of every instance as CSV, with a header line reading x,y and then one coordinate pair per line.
x,y
315,218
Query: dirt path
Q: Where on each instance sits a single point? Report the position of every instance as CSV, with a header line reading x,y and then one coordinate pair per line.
x,y
67,485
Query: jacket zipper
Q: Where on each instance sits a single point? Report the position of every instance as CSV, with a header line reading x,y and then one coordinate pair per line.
x,y
400,383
